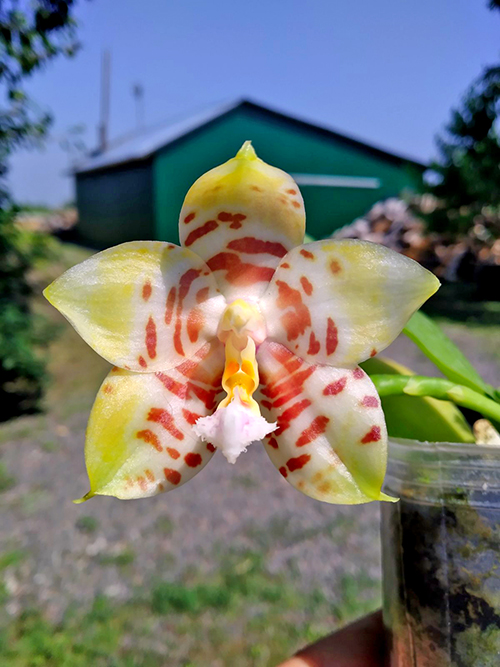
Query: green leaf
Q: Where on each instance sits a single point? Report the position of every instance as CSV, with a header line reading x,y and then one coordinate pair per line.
x,y
436,345
416,417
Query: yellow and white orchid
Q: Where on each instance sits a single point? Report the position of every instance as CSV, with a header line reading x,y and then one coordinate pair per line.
x,y
240,307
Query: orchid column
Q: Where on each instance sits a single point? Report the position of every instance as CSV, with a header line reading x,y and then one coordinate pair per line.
x,y
242,308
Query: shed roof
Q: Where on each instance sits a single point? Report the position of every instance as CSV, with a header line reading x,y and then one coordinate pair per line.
x,y
140,146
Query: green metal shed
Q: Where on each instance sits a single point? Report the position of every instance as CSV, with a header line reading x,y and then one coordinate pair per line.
x,y
134,190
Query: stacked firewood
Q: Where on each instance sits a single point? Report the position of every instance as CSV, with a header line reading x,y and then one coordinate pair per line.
x,y
399,225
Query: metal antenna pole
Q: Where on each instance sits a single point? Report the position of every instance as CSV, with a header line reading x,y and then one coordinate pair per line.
x,y
138,93
105,95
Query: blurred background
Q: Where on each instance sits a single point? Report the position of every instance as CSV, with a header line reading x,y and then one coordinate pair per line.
x,y
386,115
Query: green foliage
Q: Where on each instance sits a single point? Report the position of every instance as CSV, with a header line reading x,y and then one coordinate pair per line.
x,y
30,36
436,345
468,178
22,368
418,417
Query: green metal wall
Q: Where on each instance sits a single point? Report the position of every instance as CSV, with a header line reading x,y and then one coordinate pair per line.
x,y
289,147
116,205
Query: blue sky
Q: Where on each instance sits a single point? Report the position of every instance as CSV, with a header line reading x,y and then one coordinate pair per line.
x,y
387,72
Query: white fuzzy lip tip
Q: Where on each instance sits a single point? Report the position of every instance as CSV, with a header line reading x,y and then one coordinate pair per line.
x,y
232,428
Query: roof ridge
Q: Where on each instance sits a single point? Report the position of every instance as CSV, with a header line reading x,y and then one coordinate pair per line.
x,y
124,150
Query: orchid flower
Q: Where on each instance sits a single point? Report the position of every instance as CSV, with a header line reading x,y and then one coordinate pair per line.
x,y
240,308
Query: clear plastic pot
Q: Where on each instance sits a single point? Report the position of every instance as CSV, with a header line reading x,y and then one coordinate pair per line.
x,y
441,555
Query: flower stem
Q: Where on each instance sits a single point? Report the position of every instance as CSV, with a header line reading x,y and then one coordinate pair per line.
x,y
418,385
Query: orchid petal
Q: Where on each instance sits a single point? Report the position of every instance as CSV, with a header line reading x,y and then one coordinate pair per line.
x,y
143,306
140,438
331,440
341,302
242,217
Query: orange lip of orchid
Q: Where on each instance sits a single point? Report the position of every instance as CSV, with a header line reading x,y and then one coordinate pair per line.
x,y
240,307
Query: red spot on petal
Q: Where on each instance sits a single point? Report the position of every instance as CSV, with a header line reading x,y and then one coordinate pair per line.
x,y
185,282
210,447
142,483
142,362
199,232
193,460
172,385
146,290
370,402
373,435
194,325
172,476
335,267
190,417
149,474
306,253
151,438
231,217
306,286
189,217
293,384
169,310
177,338
292,192
165,419
314,345
283,471
317,427
285,265
174,453
331,337
373,352
291,413
253,246
358,373
151,338
297,320
238,272
107,388
272,442
296,204
298,462
206,396
335,388
202,294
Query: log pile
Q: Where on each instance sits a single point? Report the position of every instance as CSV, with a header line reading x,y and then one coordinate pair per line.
x,y
399,225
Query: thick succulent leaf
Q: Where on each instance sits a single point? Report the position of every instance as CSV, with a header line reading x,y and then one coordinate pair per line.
x,y
450,360
242,217
418,417
143,306
341,302
140,439
331,441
